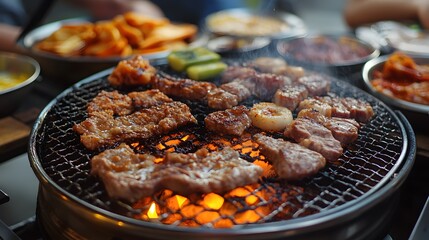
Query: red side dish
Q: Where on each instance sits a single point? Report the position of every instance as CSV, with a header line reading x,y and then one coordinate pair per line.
x,y
403,78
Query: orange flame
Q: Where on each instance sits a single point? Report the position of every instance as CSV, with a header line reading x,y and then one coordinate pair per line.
x,y
151,213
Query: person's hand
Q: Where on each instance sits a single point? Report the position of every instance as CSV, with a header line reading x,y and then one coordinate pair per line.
x,y
423,12
107,9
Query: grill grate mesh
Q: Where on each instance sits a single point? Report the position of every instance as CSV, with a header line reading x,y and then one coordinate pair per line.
x,y
363,166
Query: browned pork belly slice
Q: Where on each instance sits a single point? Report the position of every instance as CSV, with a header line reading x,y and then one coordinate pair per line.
x,y
314,136
231,121
359,110
183,88
347,107
316,84
133,71
240,88
290,96
266,84
130,176
344,130
121,104
118,104
221,99
291,161
237,72
103,129
276,66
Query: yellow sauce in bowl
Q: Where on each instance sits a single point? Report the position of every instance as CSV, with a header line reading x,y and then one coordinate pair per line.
x,y
8,80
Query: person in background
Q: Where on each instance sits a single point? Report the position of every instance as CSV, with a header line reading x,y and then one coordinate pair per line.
x,y
361,12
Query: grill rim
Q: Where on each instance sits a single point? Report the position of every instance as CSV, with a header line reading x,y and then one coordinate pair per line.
x,y
316,219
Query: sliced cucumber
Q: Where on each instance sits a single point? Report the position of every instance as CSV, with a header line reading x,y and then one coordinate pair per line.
x,y
181,59
206,70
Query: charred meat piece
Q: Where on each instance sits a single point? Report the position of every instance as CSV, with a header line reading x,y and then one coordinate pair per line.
x,y
268,65
133,71
103,129
232,121
130,176
339,107
344,130
359,110
237,72
149,98
121,170
315,104
121,104
316,84
290,96
314,136
266,84
291,161
183,88
277,66
118,104
221,99
240,88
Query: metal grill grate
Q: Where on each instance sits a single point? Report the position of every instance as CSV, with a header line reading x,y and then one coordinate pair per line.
x,y
364,166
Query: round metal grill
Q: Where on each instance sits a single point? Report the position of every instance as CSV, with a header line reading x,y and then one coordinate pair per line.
x,y
364,167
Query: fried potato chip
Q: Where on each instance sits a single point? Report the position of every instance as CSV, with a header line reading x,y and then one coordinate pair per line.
x,y
132,34
124,35
104,49
168,33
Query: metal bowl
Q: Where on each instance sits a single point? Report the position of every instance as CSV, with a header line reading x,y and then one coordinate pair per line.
x,y
10,63
222,23
377,64
69,70
418,114
340,55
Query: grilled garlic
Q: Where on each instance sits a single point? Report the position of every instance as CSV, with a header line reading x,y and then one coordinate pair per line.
x,y
270,117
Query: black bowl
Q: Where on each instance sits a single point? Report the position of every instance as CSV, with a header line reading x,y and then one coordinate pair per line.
x,y
339,55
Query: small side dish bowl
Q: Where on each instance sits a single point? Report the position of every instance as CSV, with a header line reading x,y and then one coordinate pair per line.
x,y
248,23
377,64
417,114
340,55
17,75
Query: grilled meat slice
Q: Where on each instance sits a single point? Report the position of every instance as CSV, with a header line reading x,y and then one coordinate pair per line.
x,y
116,103
339,107
316,84
291,161
268,65
122,172
314,136
359,110
131,176
277,66
149,98
237,72
121,104
183,88
290,96
344,130
133,71
103,129
221,99
240,88
266,84
232,121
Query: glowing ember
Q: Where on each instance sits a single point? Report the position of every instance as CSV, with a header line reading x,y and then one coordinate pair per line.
x,y
180,200
213,201
151,213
